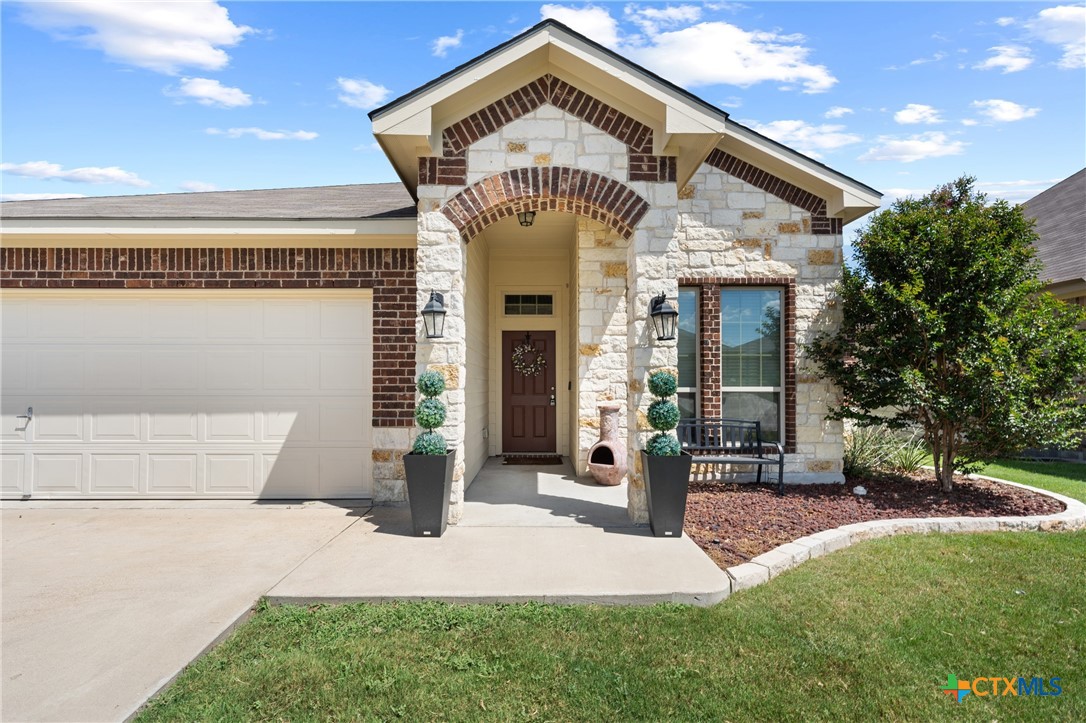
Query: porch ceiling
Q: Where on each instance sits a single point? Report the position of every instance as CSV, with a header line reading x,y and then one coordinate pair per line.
x,y
551,230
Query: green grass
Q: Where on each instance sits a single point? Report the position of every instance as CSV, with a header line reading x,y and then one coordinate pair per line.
x,y
866,633
1066,478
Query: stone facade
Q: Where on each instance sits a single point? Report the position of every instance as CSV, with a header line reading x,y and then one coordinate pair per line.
x,y
637,235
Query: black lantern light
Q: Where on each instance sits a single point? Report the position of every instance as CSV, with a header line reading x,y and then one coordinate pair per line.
x,y
526,218
433,315
664,317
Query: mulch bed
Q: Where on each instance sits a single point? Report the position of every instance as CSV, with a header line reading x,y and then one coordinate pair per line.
x,y
733,523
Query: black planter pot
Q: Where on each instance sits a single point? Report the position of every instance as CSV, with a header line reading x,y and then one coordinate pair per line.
x,y
429,484
666,482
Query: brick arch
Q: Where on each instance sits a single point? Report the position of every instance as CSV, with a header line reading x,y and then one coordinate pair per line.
x,y
546,188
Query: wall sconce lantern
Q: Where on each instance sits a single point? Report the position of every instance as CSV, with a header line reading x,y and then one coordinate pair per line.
x,y
433,316
664,317
526,218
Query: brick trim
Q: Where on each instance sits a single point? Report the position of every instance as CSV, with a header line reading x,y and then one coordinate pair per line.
x,y
389,272
711,356
546,188
821,223
450,168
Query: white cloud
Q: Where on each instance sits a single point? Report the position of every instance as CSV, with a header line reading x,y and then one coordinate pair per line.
x,y
206,91
914,148
263,135
198,186
1065,26
360,93
38,196
838,111
1016,191
652,19
591,21
1008,58
87,174
732,101
705,53
159,36
1004,22
807,138
917,113
445,43
1004,111
969,122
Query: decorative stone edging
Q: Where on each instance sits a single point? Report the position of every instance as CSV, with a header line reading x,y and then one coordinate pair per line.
x,y
768,565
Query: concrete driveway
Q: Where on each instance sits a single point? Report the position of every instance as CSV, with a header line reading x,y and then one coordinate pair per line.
x,y
102,606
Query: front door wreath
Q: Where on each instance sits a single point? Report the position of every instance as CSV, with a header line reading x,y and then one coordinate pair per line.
x,y
528,360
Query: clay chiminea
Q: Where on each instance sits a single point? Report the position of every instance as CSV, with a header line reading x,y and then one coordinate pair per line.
x,y
607,457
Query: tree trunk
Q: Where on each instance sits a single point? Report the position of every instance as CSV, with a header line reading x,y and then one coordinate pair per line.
x,y
946,477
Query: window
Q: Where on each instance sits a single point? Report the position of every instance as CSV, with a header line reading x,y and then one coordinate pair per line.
x,y
688,351
529,304
750,337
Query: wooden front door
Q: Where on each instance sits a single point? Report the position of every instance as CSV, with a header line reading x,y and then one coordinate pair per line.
x,y
529,415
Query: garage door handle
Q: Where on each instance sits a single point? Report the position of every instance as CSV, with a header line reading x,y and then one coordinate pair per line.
x,y
28,417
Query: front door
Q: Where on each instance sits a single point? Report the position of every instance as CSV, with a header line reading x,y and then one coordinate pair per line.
x,y
529,418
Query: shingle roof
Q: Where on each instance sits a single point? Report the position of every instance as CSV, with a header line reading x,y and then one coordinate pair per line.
x,y
359,201
1061,223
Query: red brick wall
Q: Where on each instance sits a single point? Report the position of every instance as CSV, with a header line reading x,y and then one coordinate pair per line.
x,y
546,188
451,167
389,272
712,368
820,223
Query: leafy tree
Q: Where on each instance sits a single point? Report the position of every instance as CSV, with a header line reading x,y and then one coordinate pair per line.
x,y
945,325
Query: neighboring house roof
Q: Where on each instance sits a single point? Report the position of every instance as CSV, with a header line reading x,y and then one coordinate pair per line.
x,y
352,202
1061,224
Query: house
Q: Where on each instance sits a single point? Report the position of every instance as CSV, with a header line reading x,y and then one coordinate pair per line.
x,y
265,343
1060,215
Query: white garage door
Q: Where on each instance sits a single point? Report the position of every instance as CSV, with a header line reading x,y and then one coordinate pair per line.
x,y
187,394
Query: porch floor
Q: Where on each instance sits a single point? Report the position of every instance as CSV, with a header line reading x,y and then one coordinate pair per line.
x,y
528,533
505,495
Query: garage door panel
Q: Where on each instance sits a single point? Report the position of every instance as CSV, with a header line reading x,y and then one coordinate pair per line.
x,y
293,473
340,473
173,422
57,371
174,371
57,421
236,394
112,421
231,474
293,419
115,320
57,473
13,318
114,474
230,422
233,319
114,371
172,474
289,370
231,370
12,474
57,320
13,370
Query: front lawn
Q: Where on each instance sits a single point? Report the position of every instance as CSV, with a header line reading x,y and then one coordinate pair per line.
x,y
869,632
1066,478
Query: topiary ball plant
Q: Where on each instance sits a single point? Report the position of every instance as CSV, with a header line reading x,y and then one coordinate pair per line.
x,y
430,414
663,416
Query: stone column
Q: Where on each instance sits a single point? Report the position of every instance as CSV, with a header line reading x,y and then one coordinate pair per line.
x,y
441,265
652,269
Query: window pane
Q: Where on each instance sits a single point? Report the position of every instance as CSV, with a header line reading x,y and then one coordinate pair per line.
x,y
751,337
688,404
688,337
761,407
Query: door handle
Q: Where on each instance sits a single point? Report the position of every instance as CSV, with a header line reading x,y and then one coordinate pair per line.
x,y
28,417
553,403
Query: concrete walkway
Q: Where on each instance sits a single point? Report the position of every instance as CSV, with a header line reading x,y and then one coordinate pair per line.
x,y
528,533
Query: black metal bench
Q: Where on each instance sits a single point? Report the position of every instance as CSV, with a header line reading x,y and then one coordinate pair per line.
x,y
731,441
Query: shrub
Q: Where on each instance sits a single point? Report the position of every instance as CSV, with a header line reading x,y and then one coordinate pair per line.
x,y
663,445
663,415
663,385
430,443
430,414
877,448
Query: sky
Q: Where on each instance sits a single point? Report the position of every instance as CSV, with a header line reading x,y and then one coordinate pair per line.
x,y
107,98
